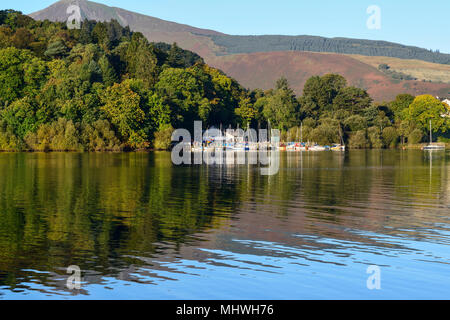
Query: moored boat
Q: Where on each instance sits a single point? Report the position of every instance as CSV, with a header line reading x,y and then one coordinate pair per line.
x,y
290,147
434,147
338,147
317,148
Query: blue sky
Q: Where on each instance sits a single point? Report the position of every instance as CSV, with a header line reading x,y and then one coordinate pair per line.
x,y
415,22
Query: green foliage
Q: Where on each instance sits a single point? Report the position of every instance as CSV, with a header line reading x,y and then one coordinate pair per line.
x,y
282,107
246,111
415,136
175,57
99,136
105,88
326,133
426,108
12,64
390,137
358,140
122,106
400,104
56,49
8,140
61,135
163,138
374,137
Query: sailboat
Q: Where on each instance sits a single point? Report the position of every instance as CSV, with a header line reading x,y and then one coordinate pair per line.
x,y
301,146
291,145
339,147
433,146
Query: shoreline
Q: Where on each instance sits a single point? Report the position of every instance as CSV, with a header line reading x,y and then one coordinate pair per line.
x,y
406,147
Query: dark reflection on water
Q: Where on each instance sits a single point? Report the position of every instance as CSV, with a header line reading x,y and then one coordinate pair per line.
x,y
141,228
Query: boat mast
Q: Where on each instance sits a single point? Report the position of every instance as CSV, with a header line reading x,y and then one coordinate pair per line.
x,y
301,132
431,134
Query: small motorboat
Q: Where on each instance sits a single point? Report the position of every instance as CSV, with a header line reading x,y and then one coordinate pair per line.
x,y
317,148
290,147
338,147
434,147
301,147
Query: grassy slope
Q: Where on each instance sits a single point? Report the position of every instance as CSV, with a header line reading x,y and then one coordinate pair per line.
x,y
261,70
421,70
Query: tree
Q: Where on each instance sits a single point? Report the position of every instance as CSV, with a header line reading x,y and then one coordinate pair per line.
x,y
246,111
400,104
426,108
122,107
358,140
320,92
390,137
22,38
109,75
12,73
163,138
175,57
326,133
141,60
20,116
353,99
282,108
56,49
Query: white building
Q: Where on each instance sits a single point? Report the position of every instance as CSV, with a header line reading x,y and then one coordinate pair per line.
x,y
447,101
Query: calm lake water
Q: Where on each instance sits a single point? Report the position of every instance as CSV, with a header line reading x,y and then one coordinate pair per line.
x,y
142,228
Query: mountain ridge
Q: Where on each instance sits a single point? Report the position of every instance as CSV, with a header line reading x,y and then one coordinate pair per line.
x,y
218,49
235,44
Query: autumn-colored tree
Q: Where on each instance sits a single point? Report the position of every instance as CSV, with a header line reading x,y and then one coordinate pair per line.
x,y
426,108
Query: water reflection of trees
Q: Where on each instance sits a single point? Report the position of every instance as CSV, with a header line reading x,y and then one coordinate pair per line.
x,y
99,210
90,209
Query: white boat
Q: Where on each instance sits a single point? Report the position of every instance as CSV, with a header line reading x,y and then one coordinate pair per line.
x,y
338,147
433,146
317,148
209,149
196,147
290,147
238,147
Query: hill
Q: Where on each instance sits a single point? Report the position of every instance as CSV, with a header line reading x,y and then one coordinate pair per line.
x,y
302,56
262,69
268,43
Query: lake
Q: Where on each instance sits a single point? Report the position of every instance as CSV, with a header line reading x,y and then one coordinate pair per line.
x,y
140,227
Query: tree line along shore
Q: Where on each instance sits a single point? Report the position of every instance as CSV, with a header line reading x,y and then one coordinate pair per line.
x,y
106,88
